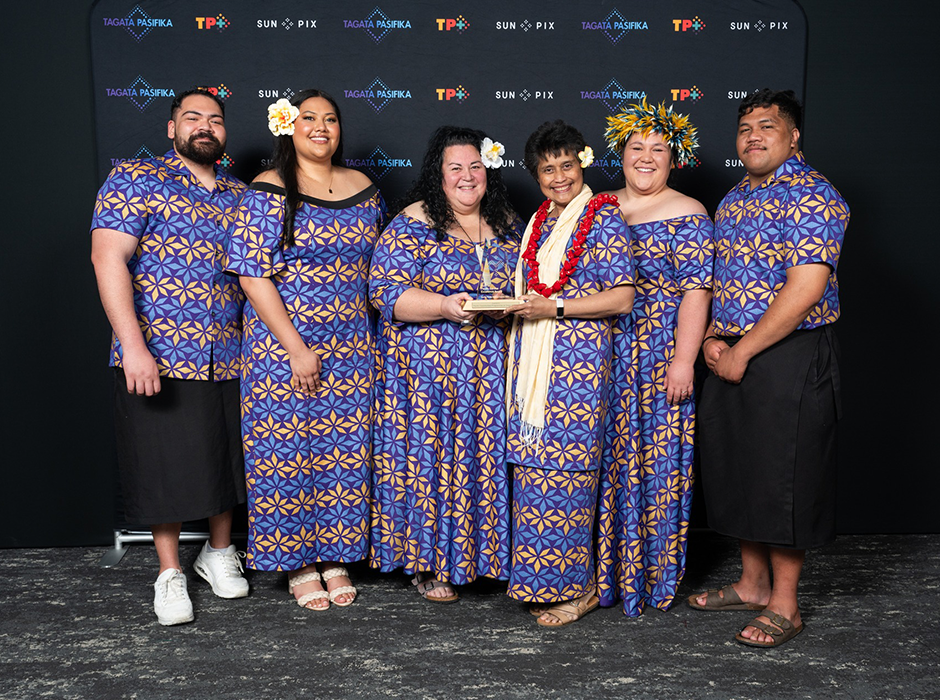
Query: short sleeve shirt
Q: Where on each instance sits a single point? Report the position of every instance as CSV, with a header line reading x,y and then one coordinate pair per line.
x,y
795,217
189,310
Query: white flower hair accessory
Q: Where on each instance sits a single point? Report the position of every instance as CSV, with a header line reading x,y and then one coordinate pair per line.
x,y
586,156
281,116
491,152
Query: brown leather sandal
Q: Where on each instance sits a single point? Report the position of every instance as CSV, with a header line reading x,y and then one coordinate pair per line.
x,y
571,610
780,628
424,584
727,600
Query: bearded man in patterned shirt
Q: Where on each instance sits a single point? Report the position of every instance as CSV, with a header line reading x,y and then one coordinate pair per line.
x,y
158,238
768,412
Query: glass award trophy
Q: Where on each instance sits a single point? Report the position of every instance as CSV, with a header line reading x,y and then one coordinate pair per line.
x,y
496,279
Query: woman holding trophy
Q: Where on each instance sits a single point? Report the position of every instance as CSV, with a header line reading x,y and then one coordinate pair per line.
x,y
569,385
440,486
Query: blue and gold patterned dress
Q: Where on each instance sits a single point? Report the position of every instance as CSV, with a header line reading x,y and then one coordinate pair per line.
x,y
564,496
308,459
672,257
440,486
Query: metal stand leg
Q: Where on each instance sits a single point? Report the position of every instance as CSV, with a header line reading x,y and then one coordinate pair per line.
x,y
114,556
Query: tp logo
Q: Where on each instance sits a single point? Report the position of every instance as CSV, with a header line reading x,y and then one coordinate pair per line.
x,y
222,92
460,24
459,94
683,94
694,25
219,22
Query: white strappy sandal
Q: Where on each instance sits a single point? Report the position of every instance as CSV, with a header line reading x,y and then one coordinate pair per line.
x,y
301,579
348,590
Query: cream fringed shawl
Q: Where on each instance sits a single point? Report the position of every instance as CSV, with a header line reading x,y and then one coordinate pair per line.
x,y
537,341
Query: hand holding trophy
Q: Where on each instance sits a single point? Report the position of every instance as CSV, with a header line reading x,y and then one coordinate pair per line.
x,y
493,262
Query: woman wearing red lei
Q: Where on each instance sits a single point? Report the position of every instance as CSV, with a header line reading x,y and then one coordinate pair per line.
x,y
575,277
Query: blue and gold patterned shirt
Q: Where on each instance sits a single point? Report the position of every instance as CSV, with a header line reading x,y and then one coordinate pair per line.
x,y
794,217
189,310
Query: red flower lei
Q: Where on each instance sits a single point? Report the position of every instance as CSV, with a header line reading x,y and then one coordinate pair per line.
x,y
574,252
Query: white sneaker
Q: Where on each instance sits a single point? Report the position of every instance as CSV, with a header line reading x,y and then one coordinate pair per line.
x,y
170,600
223,570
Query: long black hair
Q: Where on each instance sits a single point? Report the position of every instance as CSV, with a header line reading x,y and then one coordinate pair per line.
x,y
495,207
284,163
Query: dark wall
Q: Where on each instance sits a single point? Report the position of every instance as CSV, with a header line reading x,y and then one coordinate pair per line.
x,y
57,485
869,127
867,93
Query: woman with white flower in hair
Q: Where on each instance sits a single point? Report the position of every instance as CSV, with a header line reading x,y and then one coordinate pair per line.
x,y
673,246
301,246
569,372
440,507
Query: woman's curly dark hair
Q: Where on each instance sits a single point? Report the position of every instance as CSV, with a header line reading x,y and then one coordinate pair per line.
x,y
495,207
552,138
284,163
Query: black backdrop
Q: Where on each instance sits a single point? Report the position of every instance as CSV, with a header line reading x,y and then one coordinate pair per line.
x,y
400,69
865,66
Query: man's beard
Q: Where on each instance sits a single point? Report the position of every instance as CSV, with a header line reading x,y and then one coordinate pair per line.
x,y
205,152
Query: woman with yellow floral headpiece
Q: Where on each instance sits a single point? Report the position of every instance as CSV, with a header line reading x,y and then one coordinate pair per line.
x,y
673,248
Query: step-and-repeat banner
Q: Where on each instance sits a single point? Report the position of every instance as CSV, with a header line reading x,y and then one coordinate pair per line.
x,y
400,69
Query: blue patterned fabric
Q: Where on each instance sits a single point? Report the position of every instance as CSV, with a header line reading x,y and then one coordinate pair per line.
x,y
440,486
308,459
793,218
673,257
552,537
573,437
592,382
188,310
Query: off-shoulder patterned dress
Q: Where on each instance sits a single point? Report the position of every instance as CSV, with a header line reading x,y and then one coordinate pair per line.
x,y
308,459
673,256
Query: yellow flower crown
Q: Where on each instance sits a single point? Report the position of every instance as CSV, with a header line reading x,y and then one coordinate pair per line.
x,y
678,133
